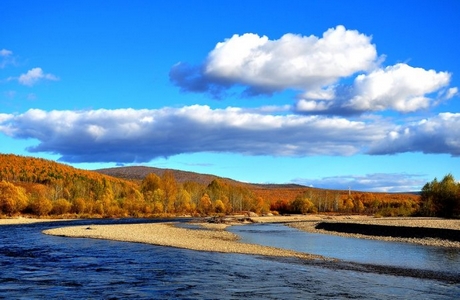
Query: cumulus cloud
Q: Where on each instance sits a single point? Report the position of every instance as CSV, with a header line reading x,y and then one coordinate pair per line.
x,y
440,134
400,87
316,67
377,182
127,135
35,75
265,66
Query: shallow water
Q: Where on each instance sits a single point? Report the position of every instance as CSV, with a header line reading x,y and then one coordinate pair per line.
x,y
35,266
352,249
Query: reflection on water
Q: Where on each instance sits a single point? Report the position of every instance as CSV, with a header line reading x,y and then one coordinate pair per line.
x,y
34,265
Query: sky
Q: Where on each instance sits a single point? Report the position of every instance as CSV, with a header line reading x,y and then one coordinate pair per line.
x,y
329,94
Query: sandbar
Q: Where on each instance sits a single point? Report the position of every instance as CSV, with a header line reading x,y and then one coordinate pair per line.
x,y
167,234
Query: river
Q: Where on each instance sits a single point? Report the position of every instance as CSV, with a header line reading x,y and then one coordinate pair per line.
x,y
38,266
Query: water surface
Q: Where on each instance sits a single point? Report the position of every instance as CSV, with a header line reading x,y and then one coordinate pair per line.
x,y
37,266
353,249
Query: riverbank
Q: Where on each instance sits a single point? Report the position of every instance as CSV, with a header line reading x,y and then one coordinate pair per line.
x,y
215,238
424,231
210,238
21,221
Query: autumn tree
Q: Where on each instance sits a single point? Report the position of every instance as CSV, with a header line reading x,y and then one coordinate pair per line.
x,y
79,206
302,205
441,198
183,203
169,187
150,183
40,203
195,190
219,206
61,206
13,199
205,204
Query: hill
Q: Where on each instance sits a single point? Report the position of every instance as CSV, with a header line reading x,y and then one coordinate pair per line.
x,y
38,186
138,173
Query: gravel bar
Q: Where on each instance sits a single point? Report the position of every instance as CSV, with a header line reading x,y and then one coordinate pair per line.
x,y
166,234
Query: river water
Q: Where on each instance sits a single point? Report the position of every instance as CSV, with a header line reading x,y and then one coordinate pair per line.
x,y
38,266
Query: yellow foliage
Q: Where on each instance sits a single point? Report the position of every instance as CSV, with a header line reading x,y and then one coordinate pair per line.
x,y
61,206
41,206
12,198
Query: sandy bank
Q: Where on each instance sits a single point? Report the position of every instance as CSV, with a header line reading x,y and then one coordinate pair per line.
x,y
19,221
166,234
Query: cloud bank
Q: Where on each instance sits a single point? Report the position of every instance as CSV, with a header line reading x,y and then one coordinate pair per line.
x,y
317,68
128,135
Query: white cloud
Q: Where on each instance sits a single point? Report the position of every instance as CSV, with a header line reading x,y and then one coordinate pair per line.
x,y
440,134
319,68
35,75
400,88
450,93
291,62
127,135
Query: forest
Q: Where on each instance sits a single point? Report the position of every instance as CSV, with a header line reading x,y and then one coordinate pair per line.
x,y
38,187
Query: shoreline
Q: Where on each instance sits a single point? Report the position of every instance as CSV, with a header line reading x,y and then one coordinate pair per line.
x,y
25,221
307,223
209,238
403,230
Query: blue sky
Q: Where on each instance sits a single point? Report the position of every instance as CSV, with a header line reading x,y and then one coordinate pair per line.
x,y
331,94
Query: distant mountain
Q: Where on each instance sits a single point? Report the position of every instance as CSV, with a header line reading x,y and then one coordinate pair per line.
x,y
139,172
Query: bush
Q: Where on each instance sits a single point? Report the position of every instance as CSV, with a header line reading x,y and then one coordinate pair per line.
x,y
13,199
61,207
41,206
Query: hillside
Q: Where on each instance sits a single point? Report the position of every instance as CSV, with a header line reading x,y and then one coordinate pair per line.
x,y
42,187
25,169
140,172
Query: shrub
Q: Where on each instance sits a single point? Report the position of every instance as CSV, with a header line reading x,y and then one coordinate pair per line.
x,y
61,207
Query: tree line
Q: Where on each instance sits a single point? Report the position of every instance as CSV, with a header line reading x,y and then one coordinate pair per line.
x,y
33,186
